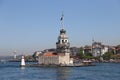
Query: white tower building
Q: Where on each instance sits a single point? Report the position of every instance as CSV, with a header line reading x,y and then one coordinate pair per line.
x,y
22,61
63,46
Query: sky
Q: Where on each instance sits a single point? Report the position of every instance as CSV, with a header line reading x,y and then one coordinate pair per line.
x,y
33,25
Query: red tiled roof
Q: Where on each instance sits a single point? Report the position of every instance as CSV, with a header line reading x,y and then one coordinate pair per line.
x,y
49,54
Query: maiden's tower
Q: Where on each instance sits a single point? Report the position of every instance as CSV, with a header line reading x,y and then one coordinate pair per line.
x,y
62,54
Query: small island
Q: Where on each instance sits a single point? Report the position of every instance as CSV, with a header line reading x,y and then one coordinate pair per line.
x,y
60,57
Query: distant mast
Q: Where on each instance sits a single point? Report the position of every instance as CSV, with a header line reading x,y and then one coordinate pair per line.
x,y
93,40
92,44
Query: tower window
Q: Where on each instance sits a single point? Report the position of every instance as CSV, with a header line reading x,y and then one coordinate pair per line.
x,y
62,41
65,40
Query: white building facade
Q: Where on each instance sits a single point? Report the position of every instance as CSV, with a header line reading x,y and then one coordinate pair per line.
x,y
98,49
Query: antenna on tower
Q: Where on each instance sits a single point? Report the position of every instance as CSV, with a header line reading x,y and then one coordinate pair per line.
x,y
62,20
93,40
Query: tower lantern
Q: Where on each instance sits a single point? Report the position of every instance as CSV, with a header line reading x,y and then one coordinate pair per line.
x,y
63,45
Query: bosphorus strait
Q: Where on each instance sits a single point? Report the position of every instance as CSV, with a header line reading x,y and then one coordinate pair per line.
x,y
102,71
59,40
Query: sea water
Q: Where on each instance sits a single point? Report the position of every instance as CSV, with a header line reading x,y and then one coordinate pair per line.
x,y
102,71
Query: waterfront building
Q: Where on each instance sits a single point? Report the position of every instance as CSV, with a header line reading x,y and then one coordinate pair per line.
x,y
98,49
105,49
118,49
112,49
74,51
88,50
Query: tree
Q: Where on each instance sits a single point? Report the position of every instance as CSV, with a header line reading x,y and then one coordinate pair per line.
x,y
80,53
34,55
107,55
115,56
88,54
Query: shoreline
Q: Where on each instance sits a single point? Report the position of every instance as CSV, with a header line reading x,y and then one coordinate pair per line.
x,y
105,61
53,65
